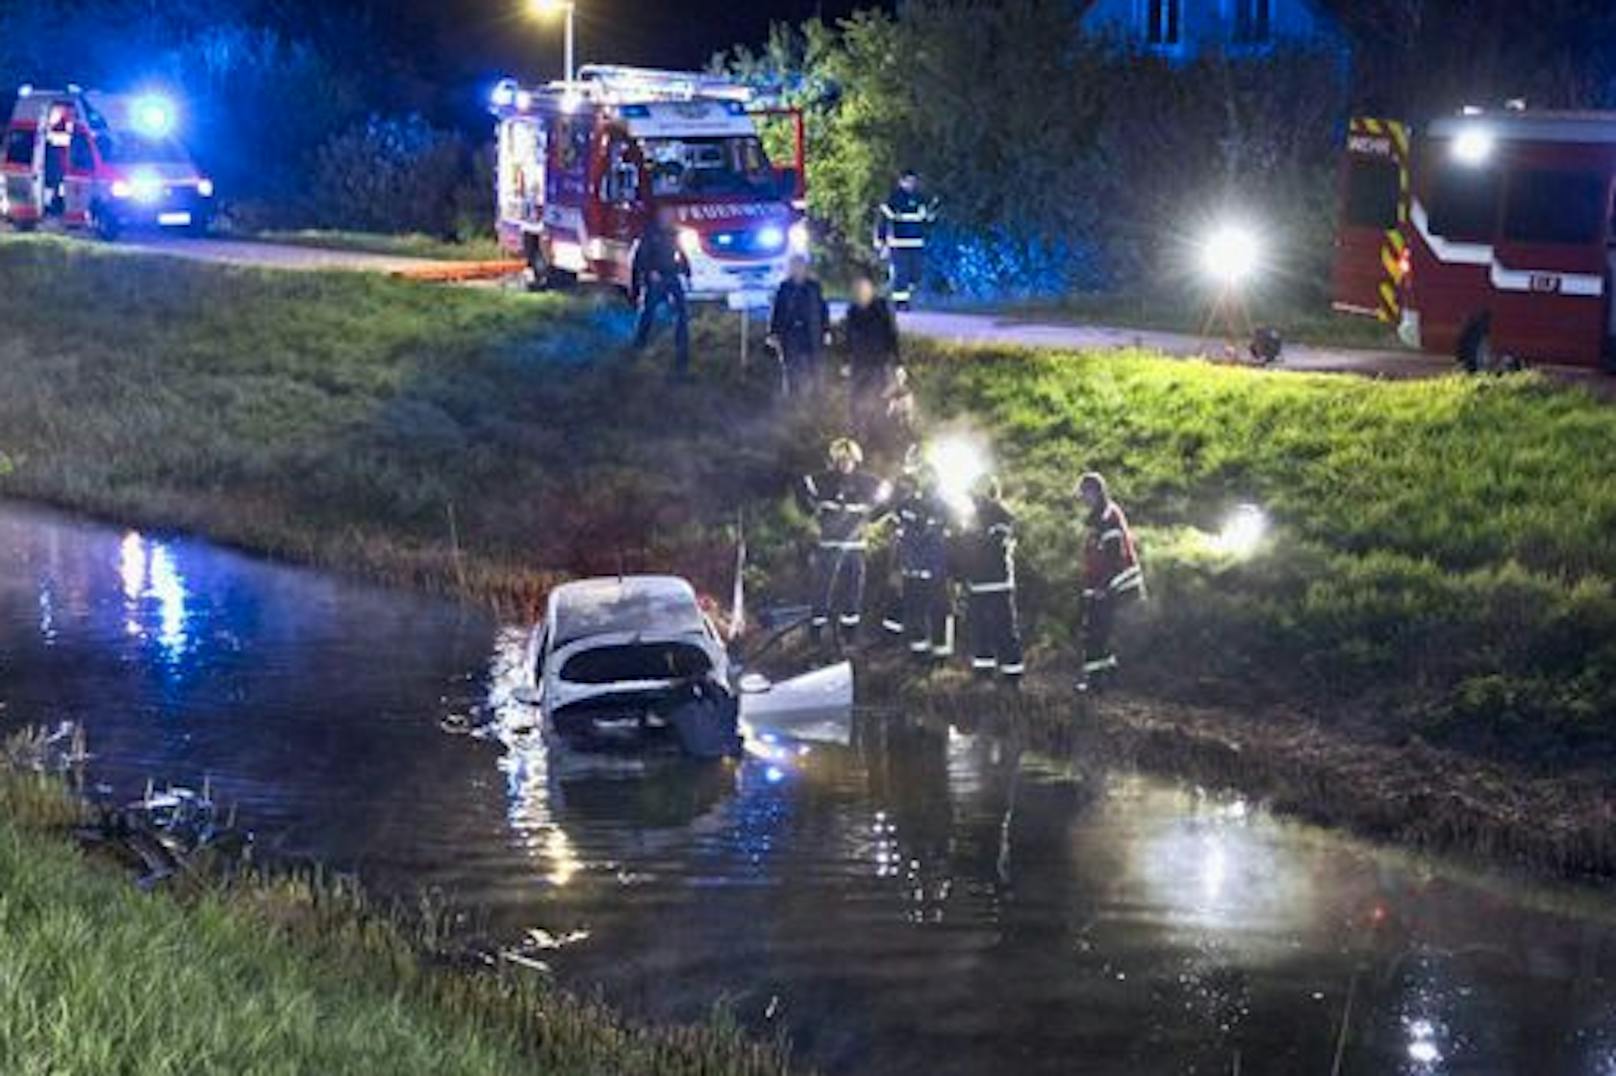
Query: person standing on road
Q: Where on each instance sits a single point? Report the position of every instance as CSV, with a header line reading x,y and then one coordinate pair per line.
x,y
872,358
660,274
1112,577
987,568
845,500
922,540
799,327
905,221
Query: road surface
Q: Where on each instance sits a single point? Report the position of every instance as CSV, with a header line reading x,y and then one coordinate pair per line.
x,y
951,327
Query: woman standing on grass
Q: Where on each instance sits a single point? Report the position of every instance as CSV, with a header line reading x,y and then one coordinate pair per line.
x,y
872,359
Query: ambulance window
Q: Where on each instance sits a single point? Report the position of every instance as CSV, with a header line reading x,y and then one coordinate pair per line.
x,y
20,147
1555,207
1374,189
1464,203
79,154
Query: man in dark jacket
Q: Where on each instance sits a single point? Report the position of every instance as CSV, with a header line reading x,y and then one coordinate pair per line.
x,y
845,501
660,273
872,359
986,552
799,327
922,540
905,220
1113,578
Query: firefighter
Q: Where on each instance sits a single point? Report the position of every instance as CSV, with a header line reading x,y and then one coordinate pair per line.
x,y
872,359
905,219
660,273
986,550
928,606
845,499
799,327
1112,577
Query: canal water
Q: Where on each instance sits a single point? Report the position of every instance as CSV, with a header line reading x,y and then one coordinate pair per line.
x,y
923,900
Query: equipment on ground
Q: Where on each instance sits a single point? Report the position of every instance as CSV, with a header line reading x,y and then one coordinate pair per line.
x,y
81,159
583,166
1487,235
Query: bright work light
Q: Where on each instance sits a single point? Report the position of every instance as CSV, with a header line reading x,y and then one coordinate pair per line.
x,y
153,115
959,462
1243,532
1229,254
1472,146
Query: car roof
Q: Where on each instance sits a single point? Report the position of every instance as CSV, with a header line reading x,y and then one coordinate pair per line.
x,y
659,604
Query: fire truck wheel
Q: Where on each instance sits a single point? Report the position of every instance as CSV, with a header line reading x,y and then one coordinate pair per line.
x,y
1476,352
24,225
541,275
106,224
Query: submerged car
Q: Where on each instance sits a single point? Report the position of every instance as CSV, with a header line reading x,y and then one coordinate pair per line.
x,y
633,663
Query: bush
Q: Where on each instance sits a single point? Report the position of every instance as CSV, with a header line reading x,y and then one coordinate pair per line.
x,y
390,175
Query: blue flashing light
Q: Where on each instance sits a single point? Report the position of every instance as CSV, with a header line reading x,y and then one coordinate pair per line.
x,y
774,775
25,90
636,112
736,108
503,94
153,115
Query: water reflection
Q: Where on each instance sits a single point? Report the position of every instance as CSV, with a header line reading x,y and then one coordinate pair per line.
x,y
154,595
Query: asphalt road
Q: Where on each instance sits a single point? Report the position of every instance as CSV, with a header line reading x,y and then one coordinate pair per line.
x,y
952,327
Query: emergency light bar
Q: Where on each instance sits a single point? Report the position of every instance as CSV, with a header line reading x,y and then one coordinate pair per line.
x,y
612,84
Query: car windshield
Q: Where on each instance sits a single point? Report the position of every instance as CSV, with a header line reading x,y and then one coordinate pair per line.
x,y
127,147
613,607
697,166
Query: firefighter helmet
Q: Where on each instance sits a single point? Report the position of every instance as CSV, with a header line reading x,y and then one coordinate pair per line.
x,y
845,449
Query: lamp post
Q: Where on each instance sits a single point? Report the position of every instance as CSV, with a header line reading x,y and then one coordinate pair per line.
x,y
569,8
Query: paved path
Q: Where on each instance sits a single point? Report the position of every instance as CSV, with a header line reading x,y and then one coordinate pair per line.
x,y
946,326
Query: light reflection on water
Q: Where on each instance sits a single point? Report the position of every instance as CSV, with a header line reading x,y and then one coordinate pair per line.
x,y
925,900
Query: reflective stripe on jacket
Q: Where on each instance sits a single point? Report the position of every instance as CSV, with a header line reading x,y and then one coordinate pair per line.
x,y
1110,555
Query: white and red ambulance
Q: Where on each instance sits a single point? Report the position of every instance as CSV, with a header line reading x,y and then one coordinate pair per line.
x,y
584,166
1490,236
105,162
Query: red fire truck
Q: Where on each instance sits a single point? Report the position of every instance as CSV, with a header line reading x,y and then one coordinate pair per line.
x,y
583,166
99,161
1489,236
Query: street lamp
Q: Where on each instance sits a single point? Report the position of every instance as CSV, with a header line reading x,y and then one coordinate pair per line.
x,y
545,9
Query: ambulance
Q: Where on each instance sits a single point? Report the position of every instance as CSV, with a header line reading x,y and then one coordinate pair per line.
x,y
99,162
1489,235
584,166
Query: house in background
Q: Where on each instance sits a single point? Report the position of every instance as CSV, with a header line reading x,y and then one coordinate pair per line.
x,y
1184,29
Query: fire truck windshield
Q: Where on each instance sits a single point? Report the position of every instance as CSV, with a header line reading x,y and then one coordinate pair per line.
x,y
127,147
695,166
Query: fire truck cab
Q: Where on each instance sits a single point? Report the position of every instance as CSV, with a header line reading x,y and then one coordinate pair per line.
x,y
584,166
102,162
1490,236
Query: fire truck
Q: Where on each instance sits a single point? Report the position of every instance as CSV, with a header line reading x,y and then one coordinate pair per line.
x,y
1489,235
102,162
584,166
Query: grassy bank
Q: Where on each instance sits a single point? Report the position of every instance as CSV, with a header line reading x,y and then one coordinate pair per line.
x,y
1439,572
402,246
274,976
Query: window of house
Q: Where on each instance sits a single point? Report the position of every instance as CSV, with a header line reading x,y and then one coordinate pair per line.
x,y
1253,21
1164,22
1555,207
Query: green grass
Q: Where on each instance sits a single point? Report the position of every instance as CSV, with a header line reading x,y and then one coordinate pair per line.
x,y
276,975
1444,551
403,246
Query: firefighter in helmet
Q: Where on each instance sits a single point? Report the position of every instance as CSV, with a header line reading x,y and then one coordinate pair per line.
x,y
905,220
1112,577
927,606
845,500
986,552
659,276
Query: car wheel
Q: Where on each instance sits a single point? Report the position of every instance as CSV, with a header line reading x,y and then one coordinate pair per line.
x,y
105,223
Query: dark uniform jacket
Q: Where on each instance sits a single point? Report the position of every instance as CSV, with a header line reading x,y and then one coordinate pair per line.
x,y
800,316
1110,557
922,535
844,505
658,253
906,218
985,549
872,339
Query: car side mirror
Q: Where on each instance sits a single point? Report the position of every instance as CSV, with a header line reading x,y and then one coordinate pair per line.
x,y
785,180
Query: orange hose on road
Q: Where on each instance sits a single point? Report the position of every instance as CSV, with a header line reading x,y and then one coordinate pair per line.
x,y
454,273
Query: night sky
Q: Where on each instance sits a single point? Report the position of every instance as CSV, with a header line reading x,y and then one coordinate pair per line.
x,y
471,38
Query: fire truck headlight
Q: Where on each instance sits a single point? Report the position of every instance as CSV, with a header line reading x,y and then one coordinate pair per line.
x,y
1229,255
1473,146
122,188
153,115
1243,532
142,187
771,237
800,238
690,241
204,187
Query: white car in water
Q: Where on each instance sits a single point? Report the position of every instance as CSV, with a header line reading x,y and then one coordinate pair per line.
x,y
633,663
